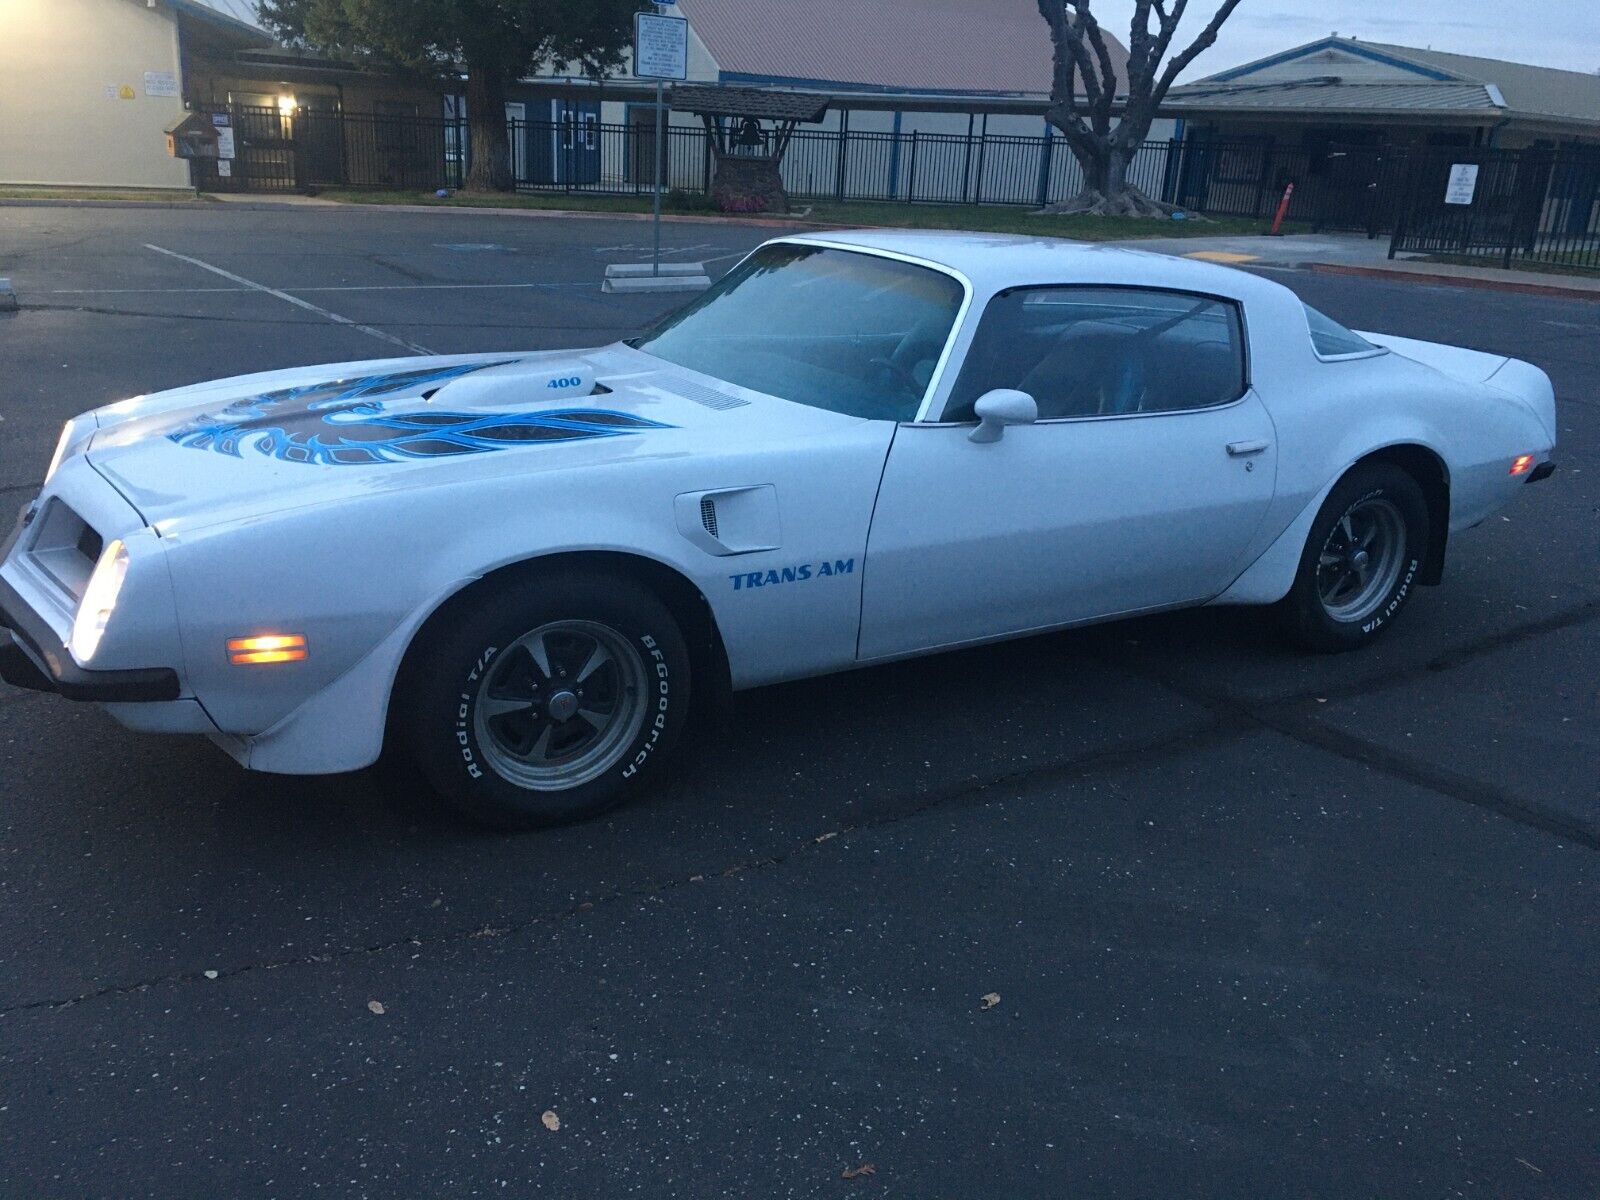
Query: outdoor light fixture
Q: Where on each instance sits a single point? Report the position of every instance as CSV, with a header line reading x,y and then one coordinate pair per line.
x,y
267,648
99,600
287,105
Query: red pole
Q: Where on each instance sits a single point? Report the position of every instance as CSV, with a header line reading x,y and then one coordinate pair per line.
x,y
1283,210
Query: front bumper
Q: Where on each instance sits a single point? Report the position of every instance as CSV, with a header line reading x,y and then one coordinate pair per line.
x,y
31,656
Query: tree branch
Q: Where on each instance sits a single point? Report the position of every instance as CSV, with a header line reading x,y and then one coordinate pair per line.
x,y
1071,57
1204,42
1086,23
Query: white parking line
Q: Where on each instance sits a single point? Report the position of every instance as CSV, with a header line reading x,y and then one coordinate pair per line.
x,y
294,300
371,287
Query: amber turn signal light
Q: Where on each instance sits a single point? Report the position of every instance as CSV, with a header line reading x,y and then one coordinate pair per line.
x,y
1522,465
267,648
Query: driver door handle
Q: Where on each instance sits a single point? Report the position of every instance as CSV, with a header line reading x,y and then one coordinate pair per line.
x,y
1241,449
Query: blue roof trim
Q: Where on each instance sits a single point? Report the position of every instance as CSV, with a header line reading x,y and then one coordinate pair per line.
x,y
836,85
1355,48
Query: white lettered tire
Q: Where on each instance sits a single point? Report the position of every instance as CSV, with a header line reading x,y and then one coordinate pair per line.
x,y
545,700
1361,562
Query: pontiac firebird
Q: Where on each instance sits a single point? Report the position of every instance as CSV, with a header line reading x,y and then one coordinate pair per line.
x,y
855,448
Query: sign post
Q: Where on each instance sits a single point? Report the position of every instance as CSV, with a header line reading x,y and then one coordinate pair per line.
x,y
660,52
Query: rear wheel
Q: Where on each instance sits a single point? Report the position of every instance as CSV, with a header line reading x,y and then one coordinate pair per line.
x,y
1361,560
548,701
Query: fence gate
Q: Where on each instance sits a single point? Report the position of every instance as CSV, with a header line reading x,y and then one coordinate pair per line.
x,y
1537,206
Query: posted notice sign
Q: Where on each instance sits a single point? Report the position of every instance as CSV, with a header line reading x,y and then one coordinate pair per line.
x,y
660,47
1463,185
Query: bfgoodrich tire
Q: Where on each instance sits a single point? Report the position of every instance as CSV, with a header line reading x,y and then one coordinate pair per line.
x,y
547,701
1361,561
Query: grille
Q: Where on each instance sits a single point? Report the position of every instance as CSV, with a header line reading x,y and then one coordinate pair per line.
x,y
704,396
708,514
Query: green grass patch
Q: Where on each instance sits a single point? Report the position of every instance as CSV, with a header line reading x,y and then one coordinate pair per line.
x,y
982,218
162,195
672,202
996,219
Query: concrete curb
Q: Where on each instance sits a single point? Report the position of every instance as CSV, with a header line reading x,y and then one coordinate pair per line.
x,y
1439,279
201,204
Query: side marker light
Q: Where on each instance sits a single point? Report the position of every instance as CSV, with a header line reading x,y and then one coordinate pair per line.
x,y
267,648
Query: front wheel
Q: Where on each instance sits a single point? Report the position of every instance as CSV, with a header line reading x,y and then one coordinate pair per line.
x,y
547,701
1361,560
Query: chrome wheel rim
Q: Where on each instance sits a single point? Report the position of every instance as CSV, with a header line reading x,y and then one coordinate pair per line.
x,y
1362,559
560,706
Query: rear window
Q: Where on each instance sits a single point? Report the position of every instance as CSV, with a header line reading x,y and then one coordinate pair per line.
x,y
1332,340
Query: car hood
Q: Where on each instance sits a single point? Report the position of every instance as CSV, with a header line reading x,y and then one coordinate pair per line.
x,y
244,447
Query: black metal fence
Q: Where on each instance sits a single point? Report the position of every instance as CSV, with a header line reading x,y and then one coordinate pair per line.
x,y
1504,208
1529,206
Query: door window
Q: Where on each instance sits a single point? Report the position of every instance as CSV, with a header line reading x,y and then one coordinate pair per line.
x,y
1105,352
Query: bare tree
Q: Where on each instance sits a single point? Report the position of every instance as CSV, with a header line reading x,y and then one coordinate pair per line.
x,y
1103,146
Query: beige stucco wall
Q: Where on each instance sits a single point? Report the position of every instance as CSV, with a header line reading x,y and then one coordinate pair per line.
x,y
60,60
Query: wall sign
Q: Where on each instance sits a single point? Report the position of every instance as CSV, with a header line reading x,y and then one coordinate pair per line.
x,y
160,83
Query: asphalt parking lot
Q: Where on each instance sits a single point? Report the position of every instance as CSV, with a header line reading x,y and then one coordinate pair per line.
x,y
1260,924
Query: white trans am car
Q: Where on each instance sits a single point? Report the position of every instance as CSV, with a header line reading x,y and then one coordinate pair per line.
x,y
857,447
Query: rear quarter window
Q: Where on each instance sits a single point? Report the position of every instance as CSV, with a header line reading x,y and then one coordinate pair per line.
x,y
1332,340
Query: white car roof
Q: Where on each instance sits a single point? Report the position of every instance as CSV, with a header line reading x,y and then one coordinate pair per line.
x,y
993,261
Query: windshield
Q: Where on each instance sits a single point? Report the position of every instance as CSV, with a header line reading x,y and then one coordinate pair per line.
x,y
834,329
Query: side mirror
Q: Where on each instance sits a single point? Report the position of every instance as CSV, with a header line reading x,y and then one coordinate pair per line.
x,y
1000,408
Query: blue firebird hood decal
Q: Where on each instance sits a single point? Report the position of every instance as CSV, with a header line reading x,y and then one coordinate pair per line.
x,y
343,423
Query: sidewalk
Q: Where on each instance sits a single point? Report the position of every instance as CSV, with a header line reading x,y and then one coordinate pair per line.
x,y
1533,283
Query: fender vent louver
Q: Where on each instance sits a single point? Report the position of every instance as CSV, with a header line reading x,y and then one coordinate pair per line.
x,y
704,396
708,514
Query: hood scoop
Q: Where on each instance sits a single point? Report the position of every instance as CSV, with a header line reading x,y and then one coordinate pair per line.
x,y
570,380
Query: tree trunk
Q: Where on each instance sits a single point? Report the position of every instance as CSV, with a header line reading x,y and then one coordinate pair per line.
x,y
486,118
1106,190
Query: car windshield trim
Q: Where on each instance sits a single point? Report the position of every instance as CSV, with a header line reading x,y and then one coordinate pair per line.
x,y
912,406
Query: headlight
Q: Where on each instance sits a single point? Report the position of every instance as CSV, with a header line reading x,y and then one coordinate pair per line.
x,y
99,600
